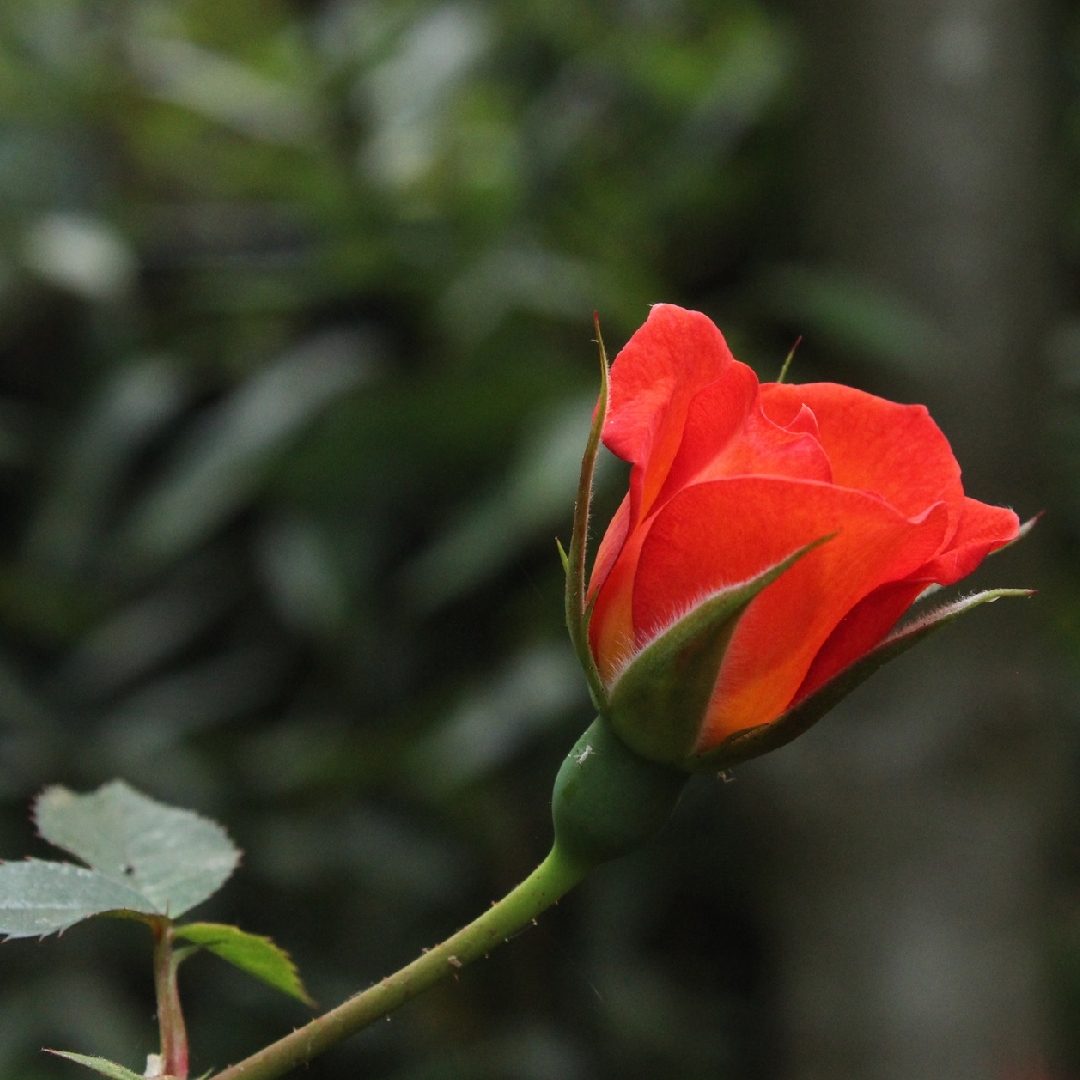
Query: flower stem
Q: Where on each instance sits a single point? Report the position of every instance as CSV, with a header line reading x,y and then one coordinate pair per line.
x,y
174,1044
552,879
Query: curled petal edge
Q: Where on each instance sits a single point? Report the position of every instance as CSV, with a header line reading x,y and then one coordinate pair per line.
x,y
1024,529
745,745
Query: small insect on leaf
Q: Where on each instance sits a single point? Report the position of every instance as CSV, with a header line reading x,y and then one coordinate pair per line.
x,y
584,755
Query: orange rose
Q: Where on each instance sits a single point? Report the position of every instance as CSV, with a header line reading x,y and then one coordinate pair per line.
x,y
729,479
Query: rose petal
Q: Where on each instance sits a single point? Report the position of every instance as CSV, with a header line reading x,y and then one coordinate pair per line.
x,y
653,380
610,545
718,533
896,451
981,530
754,446
859,631
611,631
727,434
804,421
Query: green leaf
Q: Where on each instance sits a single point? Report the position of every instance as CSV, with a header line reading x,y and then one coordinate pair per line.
x,y
222,464
744,745
858,315
174,858
486,536
38,898
145,859
101,1065
258,956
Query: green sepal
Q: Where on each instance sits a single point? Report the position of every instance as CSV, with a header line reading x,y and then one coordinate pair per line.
x,y
752,743
609,801
563,557
659,702
577,615
787,362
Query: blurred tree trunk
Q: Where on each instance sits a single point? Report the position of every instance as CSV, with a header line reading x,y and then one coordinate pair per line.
x,y
909,829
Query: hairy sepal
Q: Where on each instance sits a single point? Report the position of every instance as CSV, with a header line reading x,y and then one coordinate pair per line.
x,y
578,613
752,743
660,700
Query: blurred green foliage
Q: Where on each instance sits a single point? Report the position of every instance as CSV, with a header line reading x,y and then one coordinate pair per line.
x,y
295,373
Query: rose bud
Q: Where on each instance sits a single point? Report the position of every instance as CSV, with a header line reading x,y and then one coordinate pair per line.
x,y
771,538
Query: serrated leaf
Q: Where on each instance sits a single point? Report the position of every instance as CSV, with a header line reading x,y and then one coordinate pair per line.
x,y
258,956
174,858
38,898
101,1065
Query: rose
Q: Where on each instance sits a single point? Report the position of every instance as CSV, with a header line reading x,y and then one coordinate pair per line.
x,y
771,538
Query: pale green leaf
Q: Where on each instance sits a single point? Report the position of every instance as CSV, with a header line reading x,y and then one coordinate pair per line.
x,y
101,1065
172,859
38,898
258,956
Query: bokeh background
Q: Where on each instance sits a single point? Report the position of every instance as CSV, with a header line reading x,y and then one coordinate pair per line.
x,y
295,373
